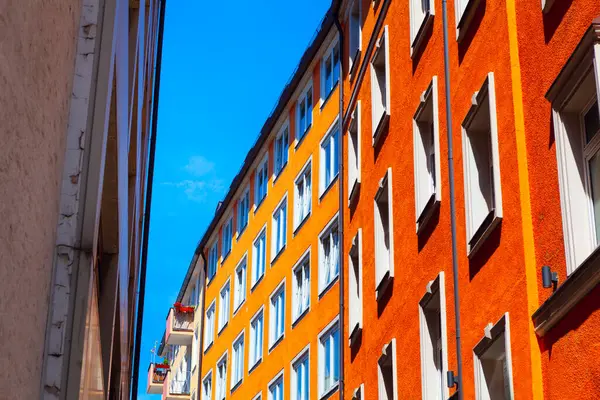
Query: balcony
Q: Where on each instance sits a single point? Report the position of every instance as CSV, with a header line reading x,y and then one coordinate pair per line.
x,y
177,386
180,326
156,378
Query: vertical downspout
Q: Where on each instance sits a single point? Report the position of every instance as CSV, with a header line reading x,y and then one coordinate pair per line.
x,y
452,200
341,201
201,344
146,232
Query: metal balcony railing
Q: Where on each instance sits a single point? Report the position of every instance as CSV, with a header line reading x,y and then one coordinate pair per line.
x,y
180,383
183,321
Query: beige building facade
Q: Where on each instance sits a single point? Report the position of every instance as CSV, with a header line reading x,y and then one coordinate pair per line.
x,y
77,110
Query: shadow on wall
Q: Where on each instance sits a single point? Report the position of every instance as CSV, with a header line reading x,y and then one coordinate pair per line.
x,y
483,254
422,46
553,18
429,227
465,43
572,321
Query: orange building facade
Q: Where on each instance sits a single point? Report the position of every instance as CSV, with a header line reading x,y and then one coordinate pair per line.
x,y
524,81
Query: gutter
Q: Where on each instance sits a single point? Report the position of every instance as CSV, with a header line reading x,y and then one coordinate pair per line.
x,y
456,380
148,205
338,25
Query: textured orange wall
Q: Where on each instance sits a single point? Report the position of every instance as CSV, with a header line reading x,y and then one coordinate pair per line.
x,y
322,310
494,281
571,350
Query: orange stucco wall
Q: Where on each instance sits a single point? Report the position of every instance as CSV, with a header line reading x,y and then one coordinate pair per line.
x,y
323,309
500,277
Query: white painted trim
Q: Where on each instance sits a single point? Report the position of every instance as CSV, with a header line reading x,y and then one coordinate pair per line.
x,y
243,260
305,352
388,347
259,312
356,120
279,375
281,287
219,327
386,107
274,252
356,247
328,134
242,336
387,178
260,233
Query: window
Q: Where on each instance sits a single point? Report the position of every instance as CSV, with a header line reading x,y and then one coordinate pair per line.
x,y
239,294
359,393
279,228
261,180
354,154
194,298
243,210
380,86
329,359
384,239
281,149
212,261
427,155
575,104
209,325
224,306
259,257
330,70
256,339
237,361
355,291
302,196
329,264
434,356
222,377
464,10
493,363
304,113
421,13
354,23
329,157
277,315
194,349
301,287
483,197
227,237
386,373
207,386
276,388
300,377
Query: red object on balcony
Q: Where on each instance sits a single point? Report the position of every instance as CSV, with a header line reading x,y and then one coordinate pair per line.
x,y
162,366
183,309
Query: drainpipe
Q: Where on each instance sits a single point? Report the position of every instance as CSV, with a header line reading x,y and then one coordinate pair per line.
x,y
341,201
459,378
201,344
147,207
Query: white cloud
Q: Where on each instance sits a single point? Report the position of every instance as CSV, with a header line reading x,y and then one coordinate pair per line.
x,y
199,166
198,190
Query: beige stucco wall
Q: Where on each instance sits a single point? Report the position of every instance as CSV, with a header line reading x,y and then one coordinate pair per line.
x,y
36,74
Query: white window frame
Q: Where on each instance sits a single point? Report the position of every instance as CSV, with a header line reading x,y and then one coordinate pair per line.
x,y
380,112
282,207
576,195
297,292
207,378
483,229
262,166
194,350
240,288
221,385
359,393
255,279
420,21
213,260
234,360
463,12
333,138
258,396
276,380
355,289
389,350
275,340
329,53
436,290
226,237
253,360
333,224
327,332
354,153
428,190
244,201
384,276
209,325
281,156
302,98
491,334
299,218
224,314
354,51
303,355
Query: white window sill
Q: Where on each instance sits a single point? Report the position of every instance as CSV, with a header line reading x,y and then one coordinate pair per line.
x,y
382,126
482,233
327,394
464,22
383,285
427,213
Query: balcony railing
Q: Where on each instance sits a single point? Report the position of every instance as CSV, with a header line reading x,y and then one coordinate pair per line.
x,y
157,374
180,326
183,321
177,386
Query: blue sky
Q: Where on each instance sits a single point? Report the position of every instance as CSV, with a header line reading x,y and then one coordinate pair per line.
x,y
224,67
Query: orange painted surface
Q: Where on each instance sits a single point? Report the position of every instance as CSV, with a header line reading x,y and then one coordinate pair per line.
x,y
494,281
571,350
322,309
